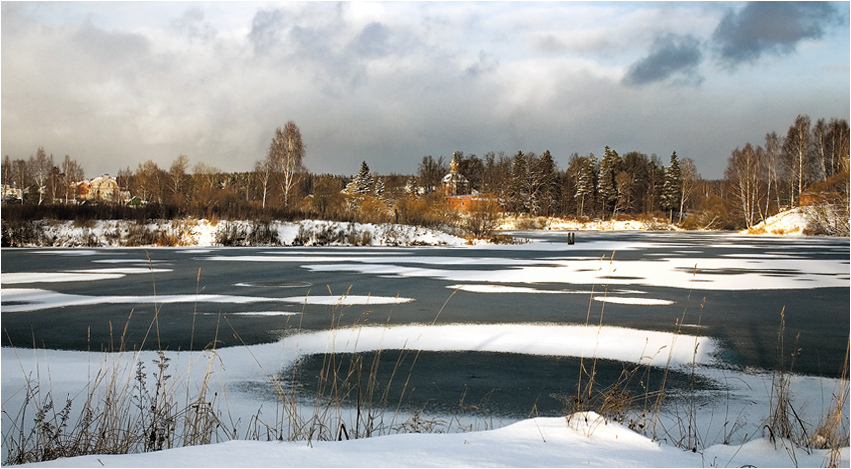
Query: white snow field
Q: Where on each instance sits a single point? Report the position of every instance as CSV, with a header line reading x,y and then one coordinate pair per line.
x,y
586,440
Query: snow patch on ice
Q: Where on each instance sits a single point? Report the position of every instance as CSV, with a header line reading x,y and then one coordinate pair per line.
x,y
633,301
606,342
30,299
480,288
84,275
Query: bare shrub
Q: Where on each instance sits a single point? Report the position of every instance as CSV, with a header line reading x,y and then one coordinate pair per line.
x,y
482,220
263,233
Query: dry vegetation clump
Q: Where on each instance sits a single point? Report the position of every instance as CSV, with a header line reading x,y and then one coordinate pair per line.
x,y
124,411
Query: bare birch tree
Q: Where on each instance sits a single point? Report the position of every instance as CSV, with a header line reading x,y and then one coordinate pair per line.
x,y
264,172
773,147
690,176
72,173
837,145
798,156
743,175
40,167
288,148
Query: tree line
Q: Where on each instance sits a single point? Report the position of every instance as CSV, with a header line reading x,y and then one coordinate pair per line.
x,y
759,182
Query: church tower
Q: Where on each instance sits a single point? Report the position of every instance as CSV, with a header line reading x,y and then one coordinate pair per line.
x,y
455,183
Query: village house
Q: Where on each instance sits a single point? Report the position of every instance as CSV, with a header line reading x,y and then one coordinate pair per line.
x,y
100,188
10,193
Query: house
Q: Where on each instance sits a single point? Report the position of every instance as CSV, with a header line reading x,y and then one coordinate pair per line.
x,y
10,193
101,188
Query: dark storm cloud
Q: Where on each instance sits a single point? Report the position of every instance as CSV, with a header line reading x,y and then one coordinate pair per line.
x,y
670,56
770,28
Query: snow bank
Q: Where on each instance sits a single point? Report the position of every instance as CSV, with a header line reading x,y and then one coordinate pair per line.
x,y
790,223
584,440
205,233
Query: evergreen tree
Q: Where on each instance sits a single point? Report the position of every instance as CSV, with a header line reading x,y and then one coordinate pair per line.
x,y
607,188
672,189
362,183
547,188
378,187
520,189
584,177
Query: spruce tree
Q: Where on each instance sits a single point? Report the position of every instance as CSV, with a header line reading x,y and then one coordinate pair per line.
x,y
362,183
607,188
672,189
547,186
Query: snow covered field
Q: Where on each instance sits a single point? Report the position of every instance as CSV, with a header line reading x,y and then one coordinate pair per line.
x,y
586,440
734,412
583,440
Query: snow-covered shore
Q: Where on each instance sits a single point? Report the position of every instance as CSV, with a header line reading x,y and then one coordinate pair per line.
x,y
585,440
206,233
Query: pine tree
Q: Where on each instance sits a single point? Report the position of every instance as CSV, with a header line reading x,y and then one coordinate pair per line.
x,y
672,189
607,187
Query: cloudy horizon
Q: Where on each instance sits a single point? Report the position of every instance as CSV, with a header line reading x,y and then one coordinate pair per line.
x,y
114,84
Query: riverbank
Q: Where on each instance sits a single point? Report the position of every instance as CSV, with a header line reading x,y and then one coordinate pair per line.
x,y
208,233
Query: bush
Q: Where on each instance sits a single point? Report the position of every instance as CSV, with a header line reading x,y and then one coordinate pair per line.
x,y
20,233
710,214
482,220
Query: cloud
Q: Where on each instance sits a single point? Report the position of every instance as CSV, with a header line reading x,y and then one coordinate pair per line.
x,y
265,30
671,56
117,84
372,41
485,64
770,28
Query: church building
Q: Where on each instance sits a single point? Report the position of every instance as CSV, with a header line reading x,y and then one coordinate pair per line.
x,y
455,183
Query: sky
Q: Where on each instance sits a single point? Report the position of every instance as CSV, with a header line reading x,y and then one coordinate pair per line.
x,y
115,84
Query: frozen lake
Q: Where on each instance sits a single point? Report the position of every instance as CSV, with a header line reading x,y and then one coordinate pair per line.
x,y
502,326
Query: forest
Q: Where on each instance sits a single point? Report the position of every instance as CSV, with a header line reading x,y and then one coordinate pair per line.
x,y
808,166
